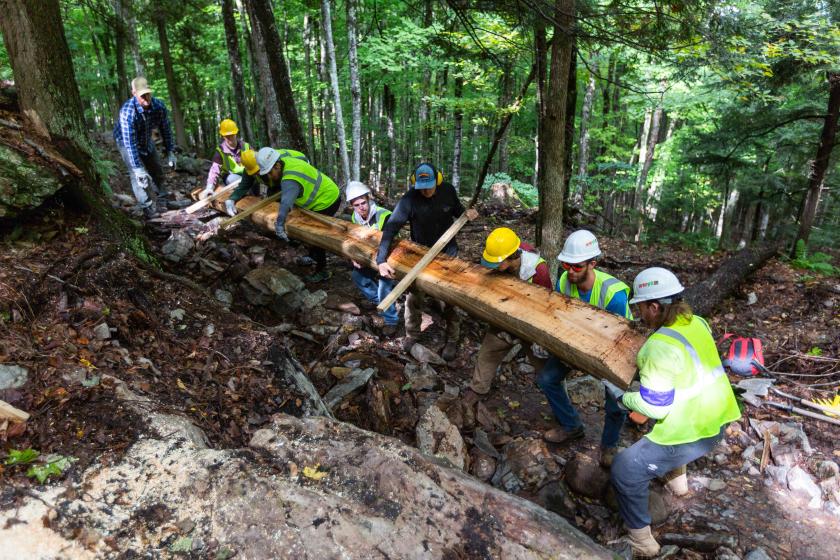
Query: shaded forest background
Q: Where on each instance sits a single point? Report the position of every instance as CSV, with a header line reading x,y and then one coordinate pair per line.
x,y
701,123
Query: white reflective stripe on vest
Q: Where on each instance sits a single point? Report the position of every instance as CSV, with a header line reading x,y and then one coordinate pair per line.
x,y
705,377
605,285
316,183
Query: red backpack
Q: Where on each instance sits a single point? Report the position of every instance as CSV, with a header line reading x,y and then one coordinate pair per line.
x,y
745,356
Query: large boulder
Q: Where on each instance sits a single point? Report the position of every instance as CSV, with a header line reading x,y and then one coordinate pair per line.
x,y
24,185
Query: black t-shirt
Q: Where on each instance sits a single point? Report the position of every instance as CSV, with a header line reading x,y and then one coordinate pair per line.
x,y
429,219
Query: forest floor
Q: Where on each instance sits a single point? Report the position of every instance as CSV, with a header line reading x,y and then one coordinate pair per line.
x,y
175,342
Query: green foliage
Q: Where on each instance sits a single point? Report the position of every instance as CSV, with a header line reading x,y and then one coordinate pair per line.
x,y
704,242
817,262
53,465
527,193
21,456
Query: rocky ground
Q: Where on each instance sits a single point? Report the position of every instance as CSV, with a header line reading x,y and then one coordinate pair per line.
x,y
110,355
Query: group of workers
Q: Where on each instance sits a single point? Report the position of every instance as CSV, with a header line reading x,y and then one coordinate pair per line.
x,y
683,387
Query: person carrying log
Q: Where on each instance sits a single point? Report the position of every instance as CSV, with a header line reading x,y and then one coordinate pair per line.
x,y
505,253
300,184
582,280
227,161
374,287
431,206
133,134
683,387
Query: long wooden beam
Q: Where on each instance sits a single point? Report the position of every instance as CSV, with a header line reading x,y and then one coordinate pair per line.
x,y
583,336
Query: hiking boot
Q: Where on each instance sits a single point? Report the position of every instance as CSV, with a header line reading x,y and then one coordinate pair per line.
x,y
407,343
559,435
367,305
388,331
449,351
607,456
305,261
676,481
319,276
643,543
150,212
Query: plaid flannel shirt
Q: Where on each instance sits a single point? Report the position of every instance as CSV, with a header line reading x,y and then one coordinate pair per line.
x,y
134,127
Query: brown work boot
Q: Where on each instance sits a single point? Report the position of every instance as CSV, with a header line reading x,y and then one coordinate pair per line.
x,y
449,351
559,435
607,456
643,543
408,342
676,481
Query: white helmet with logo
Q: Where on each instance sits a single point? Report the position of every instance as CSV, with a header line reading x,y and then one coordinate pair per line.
x,y
266,158
655,283
579,247
355,189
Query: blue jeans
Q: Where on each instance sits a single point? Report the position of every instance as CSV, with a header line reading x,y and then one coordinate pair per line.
x,y
376,288
552,381
634,468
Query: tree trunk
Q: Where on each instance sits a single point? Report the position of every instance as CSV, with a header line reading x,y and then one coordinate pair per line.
x,y
308,45
644,168
123,90
422,151
554,141
540,63
278,73
171,84
583,153
277,134
459,133
707,294
504,101
355,91
125,15
588,338
571,108
816,177
389,103
326,114
339,115
49,99
235,60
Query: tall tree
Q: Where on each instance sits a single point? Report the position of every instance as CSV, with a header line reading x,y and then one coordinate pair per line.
x,y
279,72
308,46
554,134
235,59
171,83
125,14
49,98
459,132
816,177
355,91
389,102
583,144
339,115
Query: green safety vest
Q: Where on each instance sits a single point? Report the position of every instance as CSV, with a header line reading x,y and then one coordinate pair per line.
x,y
317,191
703,397
229,164
378,218
603,290
288,153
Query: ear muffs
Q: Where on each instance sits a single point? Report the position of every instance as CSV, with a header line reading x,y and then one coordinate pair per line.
x,y
438,176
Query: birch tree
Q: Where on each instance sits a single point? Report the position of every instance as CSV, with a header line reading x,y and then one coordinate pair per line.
x,y
355,91
339,116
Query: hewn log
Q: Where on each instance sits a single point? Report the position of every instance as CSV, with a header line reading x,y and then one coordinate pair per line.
x,y
588,338
706,295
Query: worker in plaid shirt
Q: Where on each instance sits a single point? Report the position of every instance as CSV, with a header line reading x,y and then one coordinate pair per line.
x,y
133,134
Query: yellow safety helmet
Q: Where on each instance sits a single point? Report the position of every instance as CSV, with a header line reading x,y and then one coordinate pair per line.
x,y
228,127
249,160
501,243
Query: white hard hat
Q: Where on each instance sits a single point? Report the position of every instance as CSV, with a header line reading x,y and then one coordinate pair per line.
x,y
655,283
579,246
266,158
355,189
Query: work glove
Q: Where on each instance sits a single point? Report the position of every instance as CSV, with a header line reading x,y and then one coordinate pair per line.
x,y
141,176
171,161
280,231
208,191
230,208
539,352
614,392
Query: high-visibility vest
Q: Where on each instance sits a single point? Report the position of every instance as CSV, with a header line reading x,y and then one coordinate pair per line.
x,y
603,290
703,398
317,191
229,164
288,153
378,218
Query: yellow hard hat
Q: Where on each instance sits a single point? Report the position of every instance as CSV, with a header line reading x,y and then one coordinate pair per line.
x,y
249,160
228,127
501,243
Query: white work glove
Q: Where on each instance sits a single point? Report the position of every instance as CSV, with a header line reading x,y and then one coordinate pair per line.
x,y
171,161
539,351
208,191
230,207
141,176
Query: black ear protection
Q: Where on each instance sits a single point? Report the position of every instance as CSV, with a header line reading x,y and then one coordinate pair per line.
x,y
438,175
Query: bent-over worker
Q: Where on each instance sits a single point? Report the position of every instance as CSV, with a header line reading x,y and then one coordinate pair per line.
x,y
227,161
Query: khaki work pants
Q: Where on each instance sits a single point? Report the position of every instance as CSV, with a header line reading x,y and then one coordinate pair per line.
x,y
414,303
494,348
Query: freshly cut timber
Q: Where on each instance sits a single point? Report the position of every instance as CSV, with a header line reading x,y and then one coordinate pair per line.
x,y
583,336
